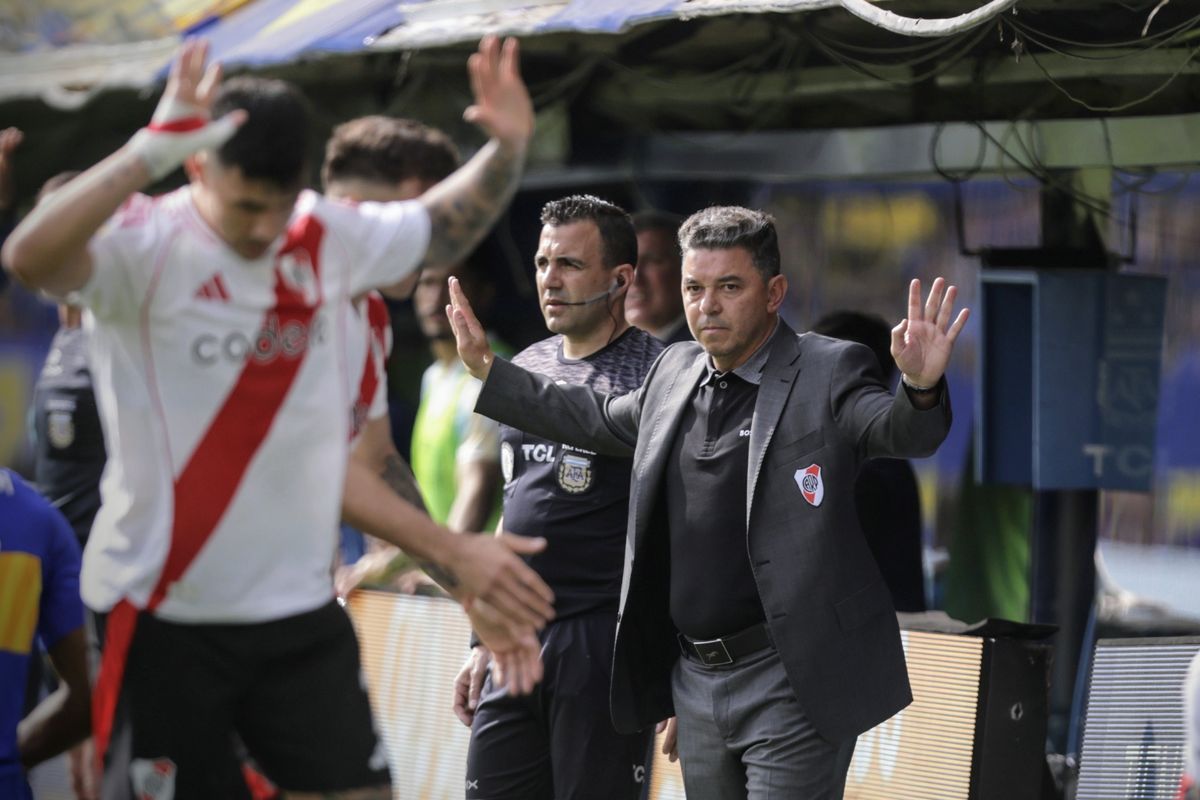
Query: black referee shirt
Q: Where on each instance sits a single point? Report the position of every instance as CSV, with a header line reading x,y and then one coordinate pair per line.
x,y
69,442
577,499
713,593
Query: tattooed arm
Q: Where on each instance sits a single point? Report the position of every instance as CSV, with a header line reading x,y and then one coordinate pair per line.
x,y
464,206
48,250
376,450
483,567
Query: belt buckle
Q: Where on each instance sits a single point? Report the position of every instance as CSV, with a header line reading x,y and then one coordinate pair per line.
x,y
713,653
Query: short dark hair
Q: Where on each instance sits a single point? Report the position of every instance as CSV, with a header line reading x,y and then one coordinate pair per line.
x,y
388,150
868,329
726,227
272,145
618,242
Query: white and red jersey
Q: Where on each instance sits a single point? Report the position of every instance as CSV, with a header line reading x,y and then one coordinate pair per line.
x,y
223,385
371,348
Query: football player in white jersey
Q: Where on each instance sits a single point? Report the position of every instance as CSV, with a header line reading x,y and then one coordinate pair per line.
x,y
217,317
381,159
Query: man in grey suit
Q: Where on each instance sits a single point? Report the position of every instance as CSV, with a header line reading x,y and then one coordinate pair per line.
x,y
744,553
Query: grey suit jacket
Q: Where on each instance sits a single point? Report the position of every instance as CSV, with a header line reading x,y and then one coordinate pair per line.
x,y
820,403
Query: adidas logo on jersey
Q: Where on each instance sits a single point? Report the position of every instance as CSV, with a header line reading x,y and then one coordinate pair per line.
x,y
213,289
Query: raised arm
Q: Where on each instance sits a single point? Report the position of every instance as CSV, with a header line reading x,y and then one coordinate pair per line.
x,y
48,250
568,413
463,207
923,341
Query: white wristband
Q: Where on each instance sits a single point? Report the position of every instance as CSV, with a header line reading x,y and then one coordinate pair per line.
x,y
162,149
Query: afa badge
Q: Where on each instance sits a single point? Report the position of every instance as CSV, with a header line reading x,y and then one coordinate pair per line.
x,y
60,429
810,483
575,473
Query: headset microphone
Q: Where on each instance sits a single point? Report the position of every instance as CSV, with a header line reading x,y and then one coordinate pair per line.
x,y
596,298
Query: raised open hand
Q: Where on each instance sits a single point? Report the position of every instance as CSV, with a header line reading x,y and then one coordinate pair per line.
x,y
922,342
502,107
181,124
191,84
473,346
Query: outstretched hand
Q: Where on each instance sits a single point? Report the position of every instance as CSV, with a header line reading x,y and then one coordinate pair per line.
x,y
473,346
922,342
182,122
191,82
502,106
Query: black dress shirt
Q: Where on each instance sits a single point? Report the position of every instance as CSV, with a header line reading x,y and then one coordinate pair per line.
x,y
713,592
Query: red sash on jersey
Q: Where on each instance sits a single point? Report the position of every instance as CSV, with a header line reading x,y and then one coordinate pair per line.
x,y
377,324
206,486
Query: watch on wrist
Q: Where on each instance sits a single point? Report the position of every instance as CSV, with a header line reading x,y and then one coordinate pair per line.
x,y
918,389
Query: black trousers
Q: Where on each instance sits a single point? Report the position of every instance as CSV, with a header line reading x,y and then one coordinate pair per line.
x,y
558,743
290,690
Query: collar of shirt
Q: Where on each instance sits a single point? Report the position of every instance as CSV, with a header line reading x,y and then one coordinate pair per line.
x,y
751,370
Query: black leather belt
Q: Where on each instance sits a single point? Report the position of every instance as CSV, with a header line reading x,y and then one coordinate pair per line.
x,y
727,649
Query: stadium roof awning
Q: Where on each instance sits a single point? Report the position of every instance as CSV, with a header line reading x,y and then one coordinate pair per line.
x,y
66,51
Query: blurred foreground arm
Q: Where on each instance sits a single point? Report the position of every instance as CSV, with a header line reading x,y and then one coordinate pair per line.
x,y
48,250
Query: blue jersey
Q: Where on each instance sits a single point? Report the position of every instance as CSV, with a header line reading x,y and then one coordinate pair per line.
x,y
39,597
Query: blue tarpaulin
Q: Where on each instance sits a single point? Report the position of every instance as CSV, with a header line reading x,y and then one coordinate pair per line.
x,y
273,31
609,16
256,33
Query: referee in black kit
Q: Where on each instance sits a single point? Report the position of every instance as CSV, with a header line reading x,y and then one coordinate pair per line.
x,y
560,742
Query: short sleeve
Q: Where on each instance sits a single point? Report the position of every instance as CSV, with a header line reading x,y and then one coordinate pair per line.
x,y
385,241
122,258
61,608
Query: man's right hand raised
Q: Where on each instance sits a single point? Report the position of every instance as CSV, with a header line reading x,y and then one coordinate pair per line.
x,y
473,346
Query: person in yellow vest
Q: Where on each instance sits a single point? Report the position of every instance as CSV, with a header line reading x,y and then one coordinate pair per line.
x,y
455,452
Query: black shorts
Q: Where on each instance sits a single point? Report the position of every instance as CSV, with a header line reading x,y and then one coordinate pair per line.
x,y
291,690
559,742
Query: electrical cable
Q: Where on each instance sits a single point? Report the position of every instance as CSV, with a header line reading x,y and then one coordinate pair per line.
x,y
1123,106
1169,33
915,26
964,44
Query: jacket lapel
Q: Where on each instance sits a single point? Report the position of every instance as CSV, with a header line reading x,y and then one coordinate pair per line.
x,y
779,376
